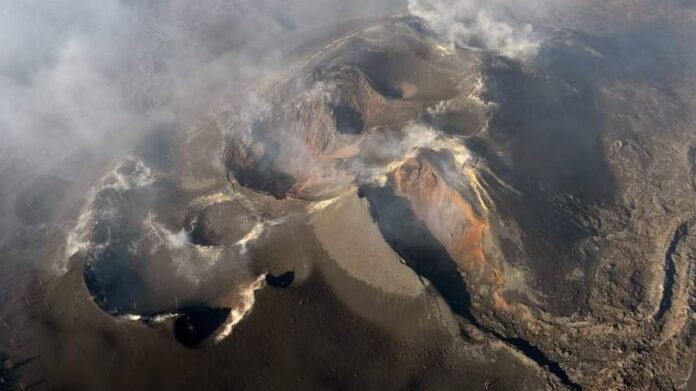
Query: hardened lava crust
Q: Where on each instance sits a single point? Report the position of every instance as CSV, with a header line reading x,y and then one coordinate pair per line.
x,y
387,210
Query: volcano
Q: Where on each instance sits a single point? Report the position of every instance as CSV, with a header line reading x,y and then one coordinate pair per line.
x,y
387,209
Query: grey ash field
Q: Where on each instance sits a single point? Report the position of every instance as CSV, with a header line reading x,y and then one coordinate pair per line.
x,y
355,198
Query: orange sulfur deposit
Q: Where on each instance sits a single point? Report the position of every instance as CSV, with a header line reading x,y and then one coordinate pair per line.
x,y
451,219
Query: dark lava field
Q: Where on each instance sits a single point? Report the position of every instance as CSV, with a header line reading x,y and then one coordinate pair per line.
x,y
329,195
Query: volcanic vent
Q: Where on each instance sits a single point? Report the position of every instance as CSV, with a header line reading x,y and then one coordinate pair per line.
x,y
419,172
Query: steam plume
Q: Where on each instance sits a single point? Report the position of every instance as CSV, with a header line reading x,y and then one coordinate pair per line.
x,y
478,24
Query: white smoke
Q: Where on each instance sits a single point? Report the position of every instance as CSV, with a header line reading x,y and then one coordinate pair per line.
x,y
242,308
477,24
81,81
62,82
127,174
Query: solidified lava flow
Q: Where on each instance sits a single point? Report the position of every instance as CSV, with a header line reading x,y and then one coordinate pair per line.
x,y
440,197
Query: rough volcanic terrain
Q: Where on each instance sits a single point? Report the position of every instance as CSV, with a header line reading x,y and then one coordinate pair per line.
x,y
386,209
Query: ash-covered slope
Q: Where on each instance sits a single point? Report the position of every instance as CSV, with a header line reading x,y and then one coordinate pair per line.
x,y
508,184
388,211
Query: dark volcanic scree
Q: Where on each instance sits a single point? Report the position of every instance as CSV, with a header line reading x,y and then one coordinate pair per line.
x,y
392,203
